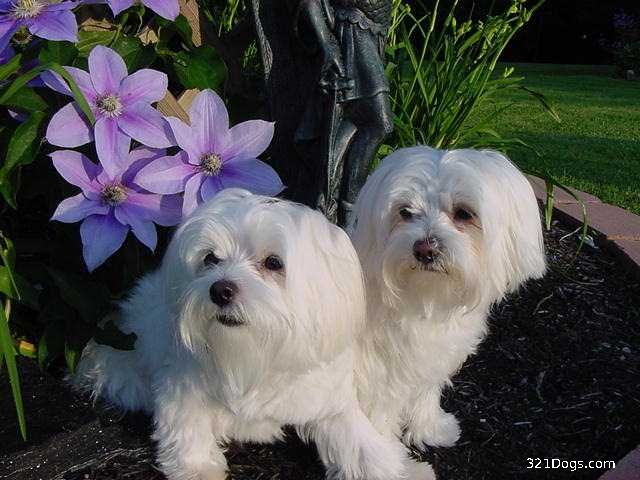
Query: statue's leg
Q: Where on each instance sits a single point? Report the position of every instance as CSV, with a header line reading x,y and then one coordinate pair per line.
x,y
374,121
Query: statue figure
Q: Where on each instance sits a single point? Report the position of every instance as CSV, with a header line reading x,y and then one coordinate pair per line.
x,y
327,92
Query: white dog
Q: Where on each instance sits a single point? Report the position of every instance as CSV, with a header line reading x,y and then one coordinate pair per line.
x,y
442,236
249,324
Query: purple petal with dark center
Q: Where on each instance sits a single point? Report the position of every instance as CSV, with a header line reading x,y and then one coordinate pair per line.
x,y
252,175
166,175
168,9
144,85
210,187
192,194
145,124
107,70
118,6
144,230
82,78
8,26
77,169
74,209
68,127
209,121
102,236
247,140
54,25
186,139
112,146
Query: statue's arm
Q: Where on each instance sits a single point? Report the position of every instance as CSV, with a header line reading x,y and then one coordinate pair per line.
x,y
313,24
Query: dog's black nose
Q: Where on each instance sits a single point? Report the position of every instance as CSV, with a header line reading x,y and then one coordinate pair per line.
x,y
425,251
222,292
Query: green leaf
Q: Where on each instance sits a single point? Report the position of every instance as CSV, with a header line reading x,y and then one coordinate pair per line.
x,y
10,67
134,53
9,355
71,356
109,334
63,53
180,26
202,68
26,99
20,290
51,343
88,298
89,39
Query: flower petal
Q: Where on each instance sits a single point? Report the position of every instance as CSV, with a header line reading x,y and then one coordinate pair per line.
x,y
8,26
138,159
209,121
54,81
253,175
68,127
168,9
192,194
210,187
247,140
144,85
112,146
102,236
76,169
145,124
118,6
55,25
6,54
143,229
164,210
74,209
185,137
107,70
166,174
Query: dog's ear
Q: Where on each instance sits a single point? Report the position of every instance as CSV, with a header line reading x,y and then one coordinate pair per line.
x,y
327,282
515,240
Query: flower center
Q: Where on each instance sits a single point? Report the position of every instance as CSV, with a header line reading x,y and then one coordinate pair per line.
x,y
109,105
27,8
211,164
113,195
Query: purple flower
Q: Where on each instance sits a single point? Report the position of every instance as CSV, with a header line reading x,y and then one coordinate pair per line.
x,y
6,54
111,205
168,9
120,103
213,156
43,18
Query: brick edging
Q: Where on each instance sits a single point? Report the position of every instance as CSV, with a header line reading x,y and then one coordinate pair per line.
x,y
614,229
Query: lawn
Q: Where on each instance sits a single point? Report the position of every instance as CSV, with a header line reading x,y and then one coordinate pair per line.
x,y
596,146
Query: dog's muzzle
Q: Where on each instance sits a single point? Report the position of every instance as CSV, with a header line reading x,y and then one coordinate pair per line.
x,y
426,251
223,292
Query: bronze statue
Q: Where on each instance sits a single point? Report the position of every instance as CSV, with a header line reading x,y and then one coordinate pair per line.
x,y
328,93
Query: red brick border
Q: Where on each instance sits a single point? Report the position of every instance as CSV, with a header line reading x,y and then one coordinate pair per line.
x,y
614,229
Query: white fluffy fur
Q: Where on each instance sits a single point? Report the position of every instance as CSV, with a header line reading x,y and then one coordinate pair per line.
x,y
290,362
423,323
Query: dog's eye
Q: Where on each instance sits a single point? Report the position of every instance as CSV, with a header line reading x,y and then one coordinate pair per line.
x,y
211,259
462,215
405,213
273,262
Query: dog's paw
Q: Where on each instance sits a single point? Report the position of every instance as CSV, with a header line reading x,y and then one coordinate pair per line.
x,y
211,473
419,471
196,472
442,430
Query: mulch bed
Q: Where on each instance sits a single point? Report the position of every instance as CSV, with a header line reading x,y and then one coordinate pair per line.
x,y
558,377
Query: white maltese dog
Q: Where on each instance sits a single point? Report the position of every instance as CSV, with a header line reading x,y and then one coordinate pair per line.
x,y
249,324
442,236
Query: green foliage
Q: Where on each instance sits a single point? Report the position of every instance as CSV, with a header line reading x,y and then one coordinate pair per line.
x,y
441,70
202,68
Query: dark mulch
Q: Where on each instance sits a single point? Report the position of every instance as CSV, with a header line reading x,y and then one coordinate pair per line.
x,y
558,377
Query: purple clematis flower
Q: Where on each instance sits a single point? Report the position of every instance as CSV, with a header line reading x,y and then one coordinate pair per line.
x,y
121,105
168,9
111,205
213,156
43,18
6,54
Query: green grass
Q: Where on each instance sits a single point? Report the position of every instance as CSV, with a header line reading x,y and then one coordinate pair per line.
x,y
596,147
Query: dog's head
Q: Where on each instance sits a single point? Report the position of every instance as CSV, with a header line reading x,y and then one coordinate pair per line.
x,y
459,226
253,276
